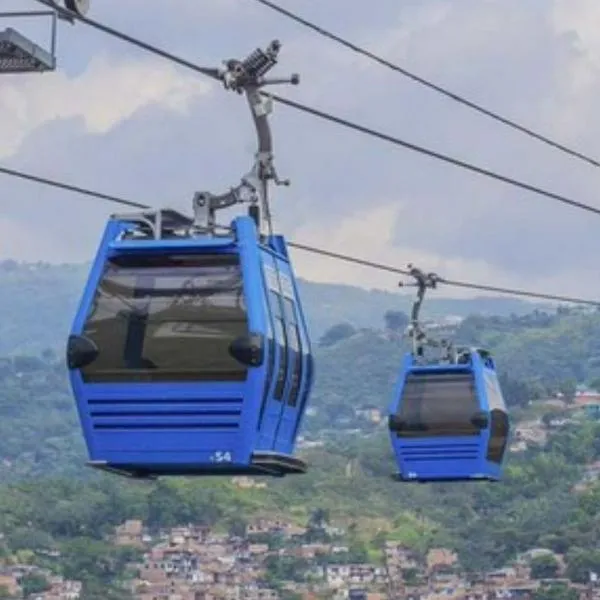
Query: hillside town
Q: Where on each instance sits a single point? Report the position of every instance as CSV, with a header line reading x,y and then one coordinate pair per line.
x,y
272,560
277,559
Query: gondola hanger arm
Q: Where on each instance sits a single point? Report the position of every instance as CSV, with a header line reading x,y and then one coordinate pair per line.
x,y
248,77
423,281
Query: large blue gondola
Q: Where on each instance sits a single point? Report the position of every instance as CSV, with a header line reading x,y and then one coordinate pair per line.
x,y
448,420
189,354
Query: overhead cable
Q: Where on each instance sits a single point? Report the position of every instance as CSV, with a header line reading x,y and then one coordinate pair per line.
x,y
70,188
214,74
312,249
437,155
398,69
449,282
209,72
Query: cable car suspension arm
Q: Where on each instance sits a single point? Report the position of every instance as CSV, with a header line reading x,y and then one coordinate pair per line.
x,y
424,281
247,77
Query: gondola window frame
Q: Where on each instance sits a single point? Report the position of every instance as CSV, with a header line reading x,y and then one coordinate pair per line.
x,y
414,410
272,348
137,278
281,335
499,426
296,350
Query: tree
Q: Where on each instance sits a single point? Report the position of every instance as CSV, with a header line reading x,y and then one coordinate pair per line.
x,y
319,518
237,526
34,583
336,334
555,592
4,593
544,566
410,576
580,563
27,538
568,388
287,568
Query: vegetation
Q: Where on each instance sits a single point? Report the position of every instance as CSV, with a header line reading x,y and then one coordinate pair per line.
x,y
42,454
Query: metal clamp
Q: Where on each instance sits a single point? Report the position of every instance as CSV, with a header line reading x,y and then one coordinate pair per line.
x,y
425,281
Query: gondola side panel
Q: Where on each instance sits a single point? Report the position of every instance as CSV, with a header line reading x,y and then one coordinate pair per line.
x,y
479,370
289,405
308,367
271,409
500,425
395,409
112,230
253,291
146,421
395,405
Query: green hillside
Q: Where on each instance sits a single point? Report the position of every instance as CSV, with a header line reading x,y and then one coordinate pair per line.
x,y
42,454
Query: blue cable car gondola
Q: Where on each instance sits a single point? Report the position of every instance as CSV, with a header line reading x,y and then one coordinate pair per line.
x,y
448,420
189,354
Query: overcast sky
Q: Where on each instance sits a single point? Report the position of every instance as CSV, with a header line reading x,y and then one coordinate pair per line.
x,y
128,123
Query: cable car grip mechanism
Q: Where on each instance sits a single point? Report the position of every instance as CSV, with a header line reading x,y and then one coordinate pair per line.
x,y
248,77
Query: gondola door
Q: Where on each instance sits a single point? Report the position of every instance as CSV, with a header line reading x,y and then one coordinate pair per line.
x,y
290,323
271,407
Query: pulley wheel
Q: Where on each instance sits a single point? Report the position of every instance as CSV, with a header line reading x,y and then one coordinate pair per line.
x,y
81,7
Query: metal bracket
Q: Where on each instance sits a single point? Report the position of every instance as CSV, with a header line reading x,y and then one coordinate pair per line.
x,y
156,224
18,54
247,76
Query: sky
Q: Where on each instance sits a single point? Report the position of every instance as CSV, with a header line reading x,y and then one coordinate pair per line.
x,y
124,122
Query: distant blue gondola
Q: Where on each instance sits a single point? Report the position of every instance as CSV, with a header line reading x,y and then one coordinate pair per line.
x,y
448,422
447,419
190,355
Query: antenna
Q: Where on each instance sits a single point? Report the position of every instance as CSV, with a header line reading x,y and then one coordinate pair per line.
x,y
424,281
247,77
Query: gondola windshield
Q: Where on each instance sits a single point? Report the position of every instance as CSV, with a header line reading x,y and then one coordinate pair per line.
x,y
438,404
167,318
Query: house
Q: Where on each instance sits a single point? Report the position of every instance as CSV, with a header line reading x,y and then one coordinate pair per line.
x,y
9,581
246,483
440,558
369,412
130,534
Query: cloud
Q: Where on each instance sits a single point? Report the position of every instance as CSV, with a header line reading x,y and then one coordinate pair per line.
x,y
106,94
370,236
134,125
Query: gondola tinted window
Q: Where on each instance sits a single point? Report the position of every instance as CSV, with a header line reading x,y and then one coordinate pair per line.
x,y
438,404
281,336
271,362
499,425
167,318
296,351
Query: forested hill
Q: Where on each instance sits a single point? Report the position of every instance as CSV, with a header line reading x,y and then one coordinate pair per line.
x,y
538,353
37,304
